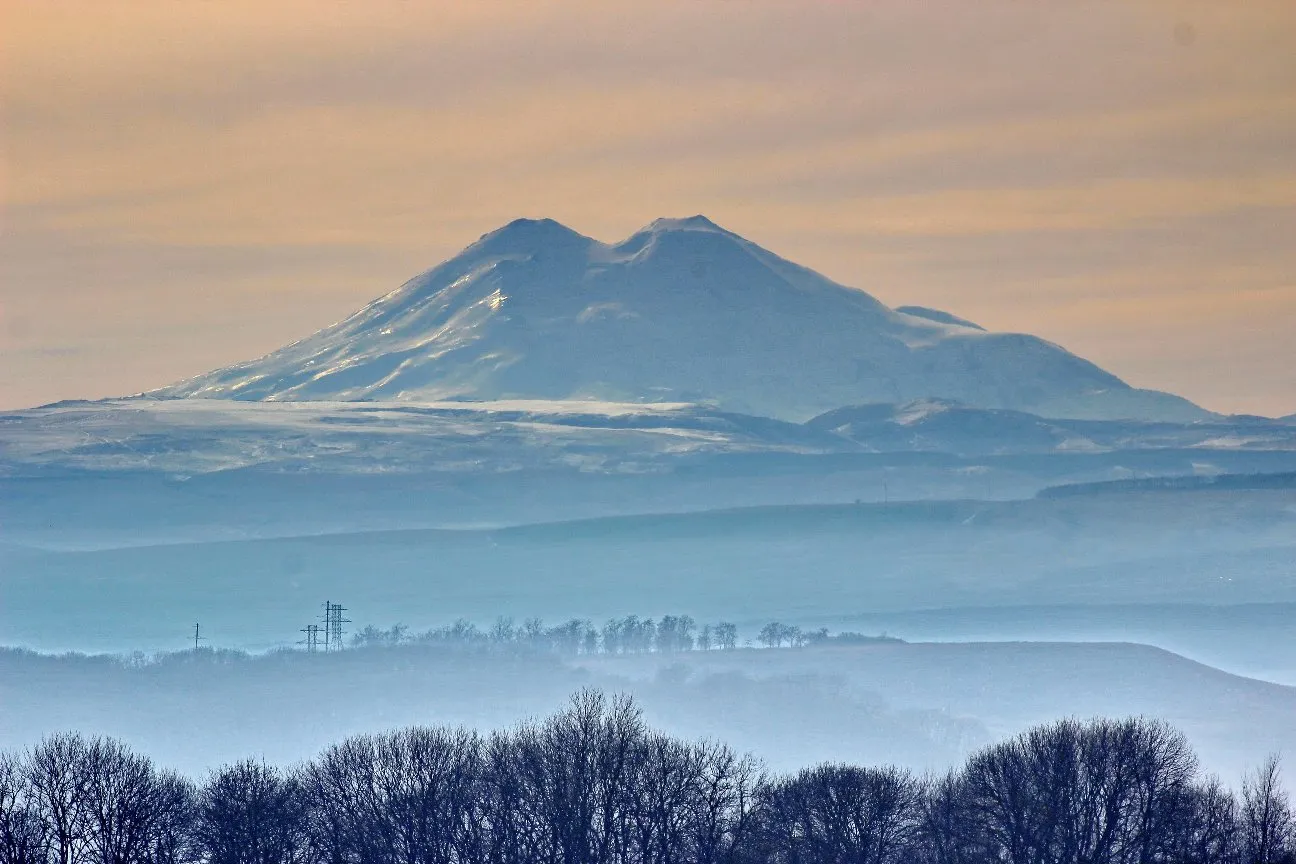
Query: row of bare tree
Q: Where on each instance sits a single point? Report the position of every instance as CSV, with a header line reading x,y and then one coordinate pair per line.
x,y
629,635
594,785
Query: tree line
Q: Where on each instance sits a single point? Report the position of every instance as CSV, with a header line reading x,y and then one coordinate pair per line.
x,y
594,785
628,635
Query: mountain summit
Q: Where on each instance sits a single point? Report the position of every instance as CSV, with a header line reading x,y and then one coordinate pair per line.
x,y
682,310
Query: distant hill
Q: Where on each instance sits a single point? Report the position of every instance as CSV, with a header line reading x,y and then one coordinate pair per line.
x,y
1198,546
681,311
942,425
1220,483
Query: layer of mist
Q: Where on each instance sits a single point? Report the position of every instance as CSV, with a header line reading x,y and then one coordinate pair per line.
x,y
923,706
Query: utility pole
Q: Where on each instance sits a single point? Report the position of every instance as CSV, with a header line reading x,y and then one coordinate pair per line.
x,y
197,638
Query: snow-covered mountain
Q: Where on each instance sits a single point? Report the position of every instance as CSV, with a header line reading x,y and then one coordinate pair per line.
x,y
682,311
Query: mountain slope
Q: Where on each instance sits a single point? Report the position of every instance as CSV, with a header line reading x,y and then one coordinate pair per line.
x,y
683,310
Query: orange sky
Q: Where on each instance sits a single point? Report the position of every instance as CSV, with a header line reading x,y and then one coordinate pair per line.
x,y
188,183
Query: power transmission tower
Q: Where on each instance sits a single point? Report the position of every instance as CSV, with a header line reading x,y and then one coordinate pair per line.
x,y
312,640
333,622
335,629
197,638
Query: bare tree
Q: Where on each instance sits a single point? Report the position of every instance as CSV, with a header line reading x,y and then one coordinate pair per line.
x,y
593,785
1075,794
133,814
643,634
675,633
170,833
59,789
613,637
840,813
772,635
503,632
1206,830
22,833
1267,827
533,634
408,797
948,831
374,637
560,790
726,636
722,809
569,637
705,638
250,813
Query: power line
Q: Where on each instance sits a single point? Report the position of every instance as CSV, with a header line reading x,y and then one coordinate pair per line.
x,y
197,638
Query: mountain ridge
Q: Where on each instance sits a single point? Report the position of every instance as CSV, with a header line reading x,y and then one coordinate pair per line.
x,y
683,311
